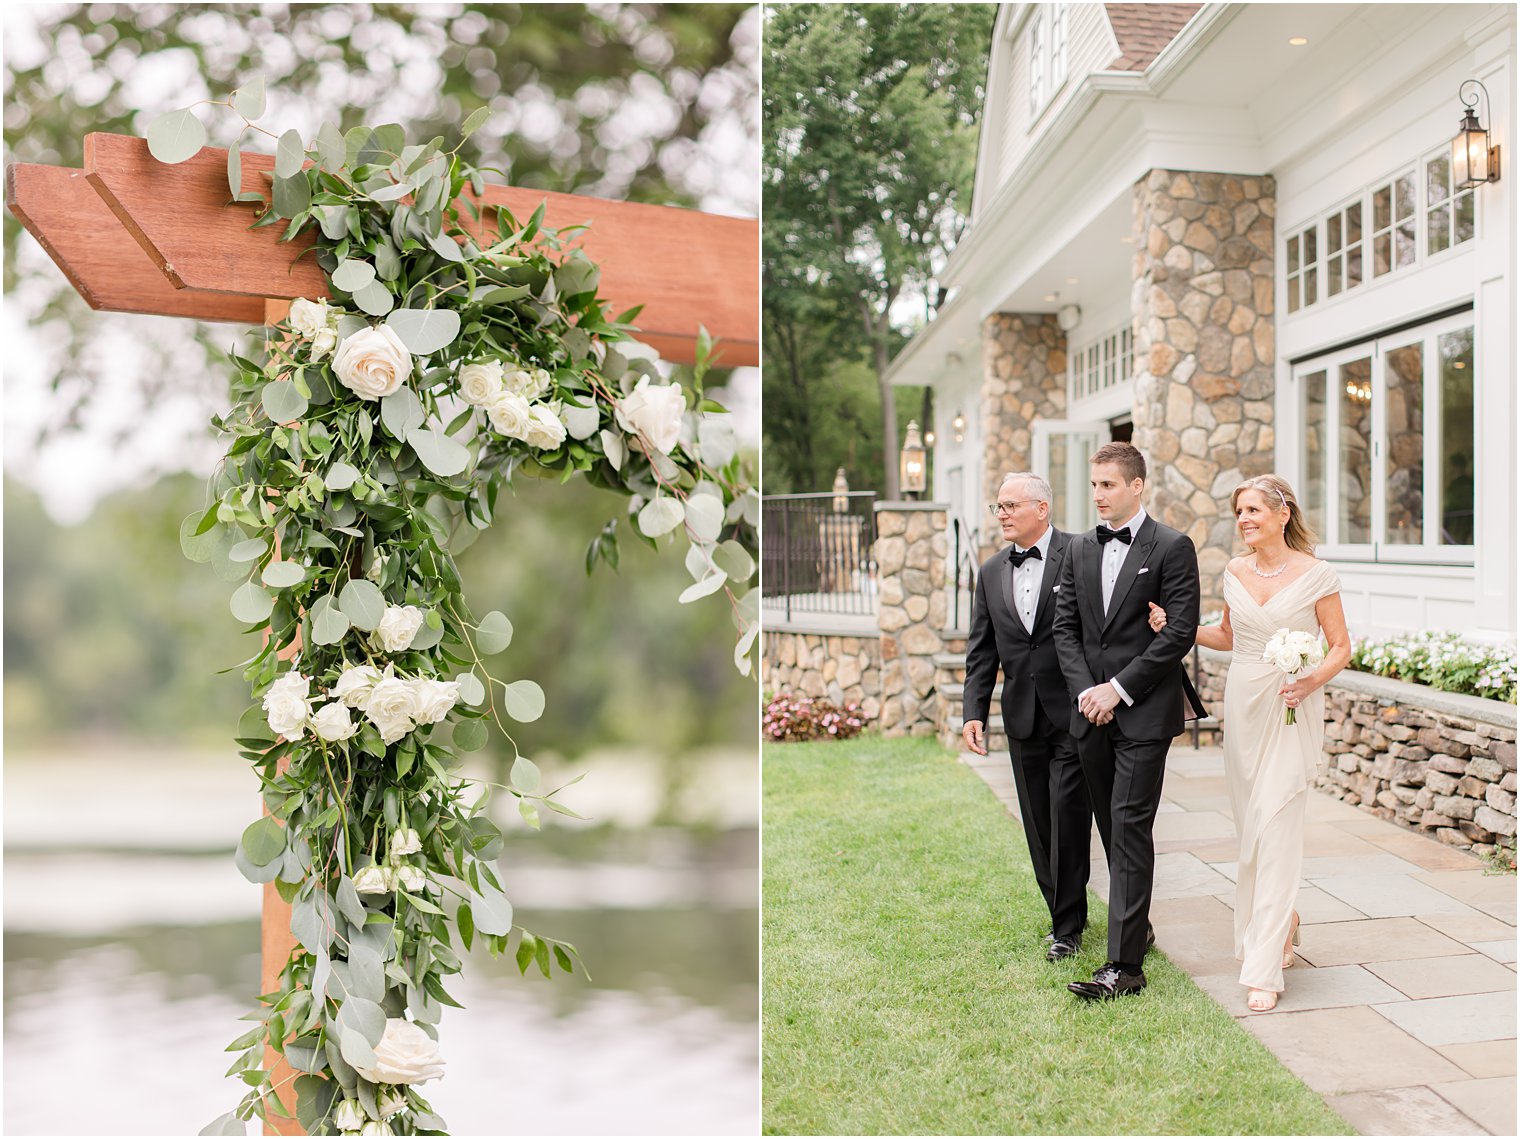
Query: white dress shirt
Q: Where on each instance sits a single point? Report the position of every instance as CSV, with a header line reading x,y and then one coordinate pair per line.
x,y
1114,553
1027,579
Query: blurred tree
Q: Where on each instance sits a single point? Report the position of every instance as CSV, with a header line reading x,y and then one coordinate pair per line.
x,y
109,630
648,102
869,127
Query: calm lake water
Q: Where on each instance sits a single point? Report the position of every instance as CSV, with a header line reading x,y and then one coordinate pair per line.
x,y
126,970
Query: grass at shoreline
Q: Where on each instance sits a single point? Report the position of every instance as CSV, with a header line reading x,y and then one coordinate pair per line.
x,y
906,991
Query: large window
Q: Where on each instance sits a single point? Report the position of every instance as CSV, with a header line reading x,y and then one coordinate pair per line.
x,y
1386,462
1388,226
1047,55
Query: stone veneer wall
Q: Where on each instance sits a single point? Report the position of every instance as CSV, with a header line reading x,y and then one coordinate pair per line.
x,y
1204,349
835,666
1441,764
1023,379
911,545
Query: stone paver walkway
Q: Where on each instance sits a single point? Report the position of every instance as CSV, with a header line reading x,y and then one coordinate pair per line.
x,y
1401,1009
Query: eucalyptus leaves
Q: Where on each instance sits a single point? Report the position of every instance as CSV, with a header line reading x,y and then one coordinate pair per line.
x,y
367,446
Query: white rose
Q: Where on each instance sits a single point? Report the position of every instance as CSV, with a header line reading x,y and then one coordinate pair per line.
x,y
405,1055
375,880
510,414
545,431
434,698
373,362
323,343
333,722
530,383
479,384
653,411
405,842
349,1116
288,704
398,627
355,685
390,1101
411,879
308,318
392,708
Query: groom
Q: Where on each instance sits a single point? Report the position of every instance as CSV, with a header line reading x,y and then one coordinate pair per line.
x,y
1127,686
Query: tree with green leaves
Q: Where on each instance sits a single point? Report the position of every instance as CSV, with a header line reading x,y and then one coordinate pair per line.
x,y
870,116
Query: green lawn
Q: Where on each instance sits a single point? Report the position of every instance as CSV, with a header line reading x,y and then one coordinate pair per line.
x,y
906,990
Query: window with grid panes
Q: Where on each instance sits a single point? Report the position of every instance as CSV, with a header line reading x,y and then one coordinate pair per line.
x,y
1448,219
1303,268
1343,250
1393,224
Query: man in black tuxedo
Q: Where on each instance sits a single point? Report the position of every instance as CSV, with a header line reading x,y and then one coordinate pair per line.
x,y
1128,688
1011,626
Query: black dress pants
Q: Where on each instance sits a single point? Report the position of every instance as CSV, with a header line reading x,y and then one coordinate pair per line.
x,y
1124,780
1053,801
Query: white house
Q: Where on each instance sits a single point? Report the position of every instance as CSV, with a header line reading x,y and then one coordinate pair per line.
x,y
1229,232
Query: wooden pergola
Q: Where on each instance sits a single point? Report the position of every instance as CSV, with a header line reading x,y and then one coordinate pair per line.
x,y
134,235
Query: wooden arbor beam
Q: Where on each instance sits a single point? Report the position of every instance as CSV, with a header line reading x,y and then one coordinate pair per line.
x,y
688,269
107,268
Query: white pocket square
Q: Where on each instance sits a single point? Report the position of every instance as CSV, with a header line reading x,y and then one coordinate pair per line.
x,y
1142,569
1055,589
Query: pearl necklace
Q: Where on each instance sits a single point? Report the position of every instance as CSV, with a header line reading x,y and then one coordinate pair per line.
x,y
1275,573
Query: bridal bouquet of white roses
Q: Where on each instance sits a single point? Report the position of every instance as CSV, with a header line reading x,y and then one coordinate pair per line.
x,y
1293,651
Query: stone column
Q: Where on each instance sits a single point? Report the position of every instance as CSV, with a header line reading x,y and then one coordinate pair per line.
x,y
910,611
1204,350
1023,379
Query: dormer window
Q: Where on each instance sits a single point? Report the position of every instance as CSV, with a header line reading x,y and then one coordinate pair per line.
x,y
1047,54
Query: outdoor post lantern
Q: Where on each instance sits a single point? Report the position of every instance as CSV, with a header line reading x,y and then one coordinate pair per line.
x,y
1473,160
912,465
959,423
841,492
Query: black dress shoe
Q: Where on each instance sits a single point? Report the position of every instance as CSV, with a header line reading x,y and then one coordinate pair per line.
x,y
1062,947
1108,983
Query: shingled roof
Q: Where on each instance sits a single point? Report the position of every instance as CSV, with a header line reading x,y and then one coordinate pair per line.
x,y
1143,30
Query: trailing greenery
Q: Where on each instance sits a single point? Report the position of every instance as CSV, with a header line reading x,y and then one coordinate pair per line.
x,y
367,448
1446,661
906,990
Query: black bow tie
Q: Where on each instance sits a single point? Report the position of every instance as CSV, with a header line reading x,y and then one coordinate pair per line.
x,y
1106,535
1019,559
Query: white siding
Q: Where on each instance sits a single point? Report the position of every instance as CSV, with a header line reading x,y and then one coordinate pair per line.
x,y
1090,47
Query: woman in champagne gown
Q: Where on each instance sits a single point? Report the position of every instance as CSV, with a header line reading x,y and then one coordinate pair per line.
x,y
1278,584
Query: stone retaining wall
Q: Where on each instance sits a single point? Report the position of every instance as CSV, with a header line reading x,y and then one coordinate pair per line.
x,y
834,666
1440,764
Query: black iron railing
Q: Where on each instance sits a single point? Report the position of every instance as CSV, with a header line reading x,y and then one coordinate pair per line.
x,y
816,557
963,567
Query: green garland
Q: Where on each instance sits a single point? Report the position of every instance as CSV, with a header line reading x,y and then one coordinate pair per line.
x,y
367,448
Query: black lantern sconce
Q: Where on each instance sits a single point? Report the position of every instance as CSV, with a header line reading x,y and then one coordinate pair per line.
x,y
1474,160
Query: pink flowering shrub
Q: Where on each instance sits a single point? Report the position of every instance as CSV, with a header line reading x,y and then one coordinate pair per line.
x,y
792,718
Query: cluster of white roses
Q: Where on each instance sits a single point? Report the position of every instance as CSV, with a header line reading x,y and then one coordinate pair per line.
x,y
506,395
383,879
317,323
406,1054
1293,650
395,705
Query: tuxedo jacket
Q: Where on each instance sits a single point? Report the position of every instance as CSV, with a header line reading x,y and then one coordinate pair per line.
x,y
1031,670
1095,646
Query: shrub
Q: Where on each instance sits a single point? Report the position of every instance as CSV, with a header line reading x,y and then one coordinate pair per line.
x,y
789,719
1446,661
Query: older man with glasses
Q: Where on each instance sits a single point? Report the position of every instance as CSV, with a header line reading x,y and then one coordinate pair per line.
x,y
1011,627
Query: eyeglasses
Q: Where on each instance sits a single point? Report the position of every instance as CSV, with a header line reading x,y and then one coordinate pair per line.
x,y
996,508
